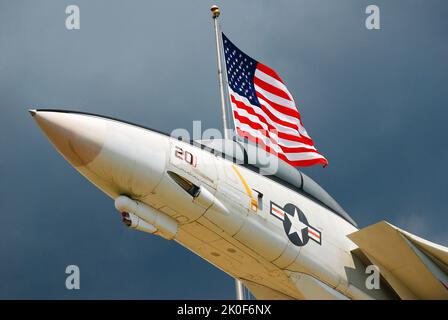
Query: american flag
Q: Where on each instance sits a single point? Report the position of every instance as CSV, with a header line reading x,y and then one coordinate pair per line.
x,y
264,111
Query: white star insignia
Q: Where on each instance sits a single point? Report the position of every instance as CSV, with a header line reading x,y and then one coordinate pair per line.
x,y
296,225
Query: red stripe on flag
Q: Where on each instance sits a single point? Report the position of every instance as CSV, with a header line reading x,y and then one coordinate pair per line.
x,y
291,137
298,163
270,88
281,134
258,127
250,110
278,120
268,71
282,109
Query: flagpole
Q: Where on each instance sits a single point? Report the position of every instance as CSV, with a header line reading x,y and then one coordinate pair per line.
x,y
239,290
215,14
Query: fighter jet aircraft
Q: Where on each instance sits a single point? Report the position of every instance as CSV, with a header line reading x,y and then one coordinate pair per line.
x,y
275,229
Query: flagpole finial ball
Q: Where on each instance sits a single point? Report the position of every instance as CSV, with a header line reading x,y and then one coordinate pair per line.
x,y
215,11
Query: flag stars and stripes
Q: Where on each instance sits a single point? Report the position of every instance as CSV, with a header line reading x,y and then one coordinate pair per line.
x,y
264,110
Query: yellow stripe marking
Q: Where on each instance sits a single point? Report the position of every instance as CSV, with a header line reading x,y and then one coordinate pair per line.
x,y
253,202
246,186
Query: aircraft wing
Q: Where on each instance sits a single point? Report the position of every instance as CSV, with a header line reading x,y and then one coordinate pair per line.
x,y
264,293
413,267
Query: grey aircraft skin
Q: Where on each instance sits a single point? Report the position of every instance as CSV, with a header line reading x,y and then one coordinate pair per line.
x,y
249,214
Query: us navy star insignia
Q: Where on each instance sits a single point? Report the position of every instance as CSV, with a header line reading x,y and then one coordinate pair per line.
x,y
295,224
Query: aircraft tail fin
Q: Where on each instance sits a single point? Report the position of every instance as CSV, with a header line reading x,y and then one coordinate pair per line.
x,y
414,267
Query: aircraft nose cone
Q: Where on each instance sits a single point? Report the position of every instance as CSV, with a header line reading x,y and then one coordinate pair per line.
x,y
118,157
75,137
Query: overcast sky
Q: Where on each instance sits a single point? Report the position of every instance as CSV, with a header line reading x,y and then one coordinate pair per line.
x,y
375,103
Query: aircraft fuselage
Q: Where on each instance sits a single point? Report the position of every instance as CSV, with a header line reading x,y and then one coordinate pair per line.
x,y
277,241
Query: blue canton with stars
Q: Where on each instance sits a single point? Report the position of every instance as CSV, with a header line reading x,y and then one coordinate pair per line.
x,y
240,71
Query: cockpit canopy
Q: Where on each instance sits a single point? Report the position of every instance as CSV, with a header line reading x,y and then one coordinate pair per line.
x,y
260,161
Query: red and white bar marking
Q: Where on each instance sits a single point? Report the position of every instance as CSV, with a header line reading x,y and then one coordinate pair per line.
x,y
313,233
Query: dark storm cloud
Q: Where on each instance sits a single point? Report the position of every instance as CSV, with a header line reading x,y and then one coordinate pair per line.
x,y
374,102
